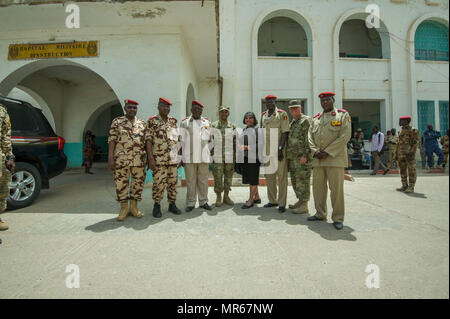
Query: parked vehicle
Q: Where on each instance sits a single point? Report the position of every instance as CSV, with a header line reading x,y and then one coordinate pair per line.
x,y
38,150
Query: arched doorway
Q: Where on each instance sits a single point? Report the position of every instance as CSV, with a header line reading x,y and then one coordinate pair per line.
x,y
99,124
71,91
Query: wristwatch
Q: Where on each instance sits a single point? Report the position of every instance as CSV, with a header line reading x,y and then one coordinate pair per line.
x,y
11,157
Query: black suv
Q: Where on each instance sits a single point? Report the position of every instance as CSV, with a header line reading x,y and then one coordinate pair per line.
x,y
38,151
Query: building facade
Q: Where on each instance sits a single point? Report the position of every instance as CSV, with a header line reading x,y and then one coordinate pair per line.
x,y
383,58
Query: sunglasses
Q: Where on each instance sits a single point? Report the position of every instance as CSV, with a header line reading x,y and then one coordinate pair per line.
x,y
131,107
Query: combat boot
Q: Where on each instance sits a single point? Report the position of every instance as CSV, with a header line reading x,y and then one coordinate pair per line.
x,y
123,211
227,200
219,199
157,210
410,189
174,209
296,205
3,225
403,188
134,209
302,209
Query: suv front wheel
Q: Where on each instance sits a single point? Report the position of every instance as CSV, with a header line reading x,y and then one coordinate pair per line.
x,y
25,185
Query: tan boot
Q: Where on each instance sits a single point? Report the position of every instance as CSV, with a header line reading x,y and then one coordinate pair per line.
x,y
134,209
219,199
302,209
3,225
123,211
410,189
403,188
226,199
296,205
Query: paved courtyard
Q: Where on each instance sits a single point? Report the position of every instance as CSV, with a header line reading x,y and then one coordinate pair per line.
x,y
229,252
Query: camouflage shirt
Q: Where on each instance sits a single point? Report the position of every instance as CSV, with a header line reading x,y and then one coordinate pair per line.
x,y
297,143
445,143
5,133
130,142
226,129
164,138
408,141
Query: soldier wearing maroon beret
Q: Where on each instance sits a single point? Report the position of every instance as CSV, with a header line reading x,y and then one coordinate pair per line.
x,y
161,139
276,120
329,134
408,141
127,159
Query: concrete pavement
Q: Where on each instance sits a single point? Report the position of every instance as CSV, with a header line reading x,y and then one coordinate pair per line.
x,y
229,252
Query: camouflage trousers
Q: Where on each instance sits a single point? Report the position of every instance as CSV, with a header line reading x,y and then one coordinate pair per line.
x,y
300,179
392,162
122,179
407,168
165,176
5,180
223,176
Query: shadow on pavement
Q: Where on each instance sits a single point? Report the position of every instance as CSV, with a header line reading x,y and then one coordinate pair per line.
x,y
324,229
143,223
416,195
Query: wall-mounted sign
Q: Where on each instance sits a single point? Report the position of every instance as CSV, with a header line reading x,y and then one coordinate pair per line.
x,y
53,50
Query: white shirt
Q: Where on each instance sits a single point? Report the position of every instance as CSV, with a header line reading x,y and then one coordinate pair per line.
x,y
377,142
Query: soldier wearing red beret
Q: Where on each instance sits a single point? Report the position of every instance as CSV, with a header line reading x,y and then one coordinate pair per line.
x,y
408,141
276,120
161,138
126,158
328,137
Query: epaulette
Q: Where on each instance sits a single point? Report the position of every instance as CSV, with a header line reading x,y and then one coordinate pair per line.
x,y
151,117
317,115
342,110
264,112
184,119
281,111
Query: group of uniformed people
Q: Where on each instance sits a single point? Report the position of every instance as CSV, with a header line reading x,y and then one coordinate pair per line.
x,y
306,146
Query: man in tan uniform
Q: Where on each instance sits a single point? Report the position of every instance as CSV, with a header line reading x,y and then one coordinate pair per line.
x,y
7,162
328,136
126,157
196,135
161,139
276,120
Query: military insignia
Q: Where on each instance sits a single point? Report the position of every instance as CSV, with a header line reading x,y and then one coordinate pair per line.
x,y
342,111
318,115
336,123
333,113
9,123
14,51
92,48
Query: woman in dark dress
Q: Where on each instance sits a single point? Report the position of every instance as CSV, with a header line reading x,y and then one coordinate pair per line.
x,y
249,145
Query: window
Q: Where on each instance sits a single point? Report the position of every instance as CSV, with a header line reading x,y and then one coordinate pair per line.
x,y
425,112
443,117
357,41
431,41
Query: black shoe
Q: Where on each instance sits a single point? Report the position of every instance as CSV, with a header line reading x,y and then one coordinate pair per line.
x,y
189,209
247,207
174,209
281,209
269,205
206,206
386,171
338,225
157,211
313,218
257,201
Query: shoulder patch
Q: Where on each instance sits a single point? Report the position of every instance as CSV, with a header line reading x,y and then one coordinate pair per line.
x,y
342,110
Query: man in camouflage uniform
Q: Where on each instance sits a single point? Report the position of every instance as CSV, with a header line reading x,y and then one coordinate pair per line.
x,y
223,166
445,146
408,141
7,163
126,157
299,157
392,141
161,142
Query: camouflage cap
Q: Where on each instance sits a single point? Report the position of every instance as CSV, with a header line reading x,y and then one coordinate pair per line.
x,y
224,108
294,103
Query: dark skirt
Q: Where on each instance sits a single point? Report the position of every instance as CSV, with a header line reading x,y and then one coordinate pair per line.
x,y
250,173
